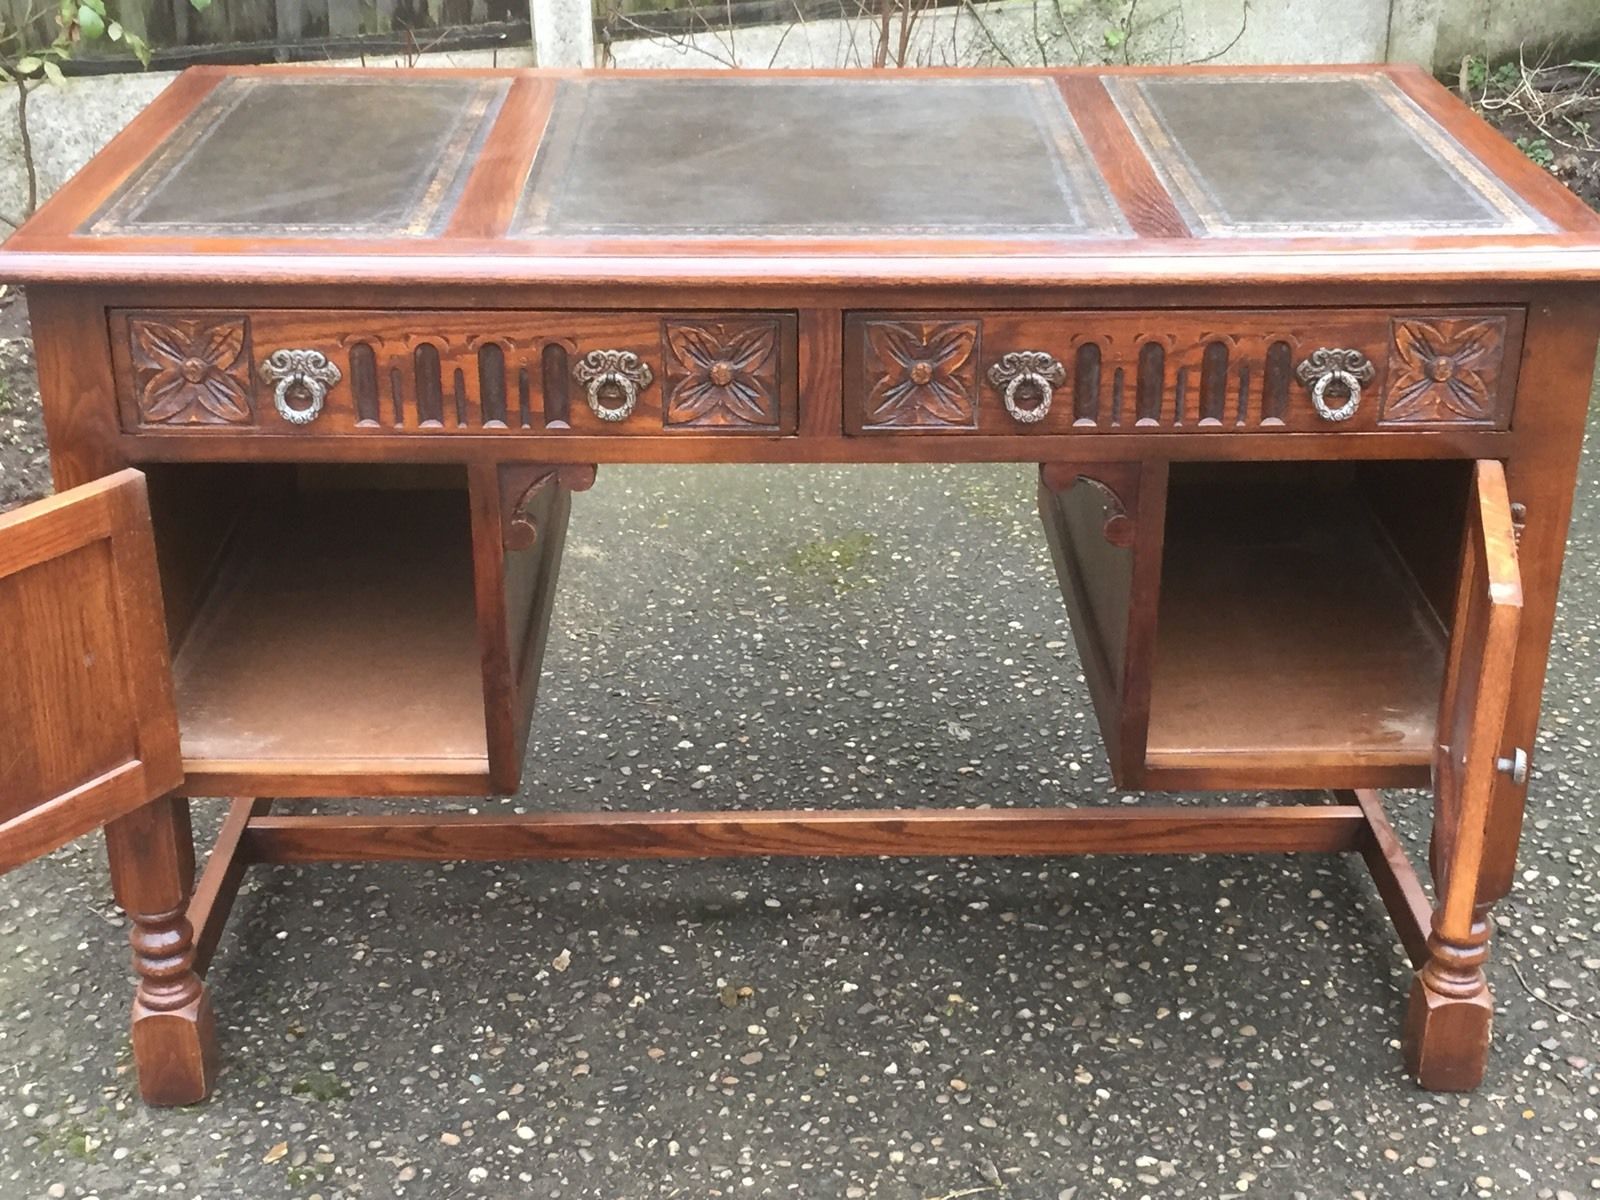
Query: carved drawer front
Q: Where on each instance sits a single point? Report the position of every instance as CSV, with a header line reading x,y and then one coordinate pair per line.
x,y
1206,371
309,372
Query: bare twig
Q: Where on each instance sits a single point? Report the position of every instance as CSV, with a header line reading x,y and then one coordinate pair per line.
x,y
26,138
987,33
689,42
799,23
1244,20
907,15
1582,1018
112,919
880,53
1552,110
1066,31
1038,38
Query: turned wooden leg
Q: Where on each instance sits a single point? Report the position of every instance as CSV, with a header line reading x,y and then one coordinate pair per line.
x,y
1446,1038
174,1032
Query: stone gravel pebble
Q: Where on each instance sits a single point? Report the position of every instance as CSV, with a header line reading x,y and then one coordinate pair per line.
x,y
1051,1029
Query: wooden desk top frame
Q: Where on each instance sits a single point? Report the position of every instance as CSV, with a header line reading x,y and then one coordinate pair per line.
x,y
1466,291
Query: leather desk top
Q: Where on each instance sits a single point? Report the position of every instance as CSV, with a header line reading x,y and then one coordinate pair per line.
x,y
284,173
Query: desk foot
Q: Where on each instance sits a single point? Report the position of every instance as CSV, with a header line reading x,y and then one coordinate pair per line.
x,y
175,1052
1446,1038
174,1031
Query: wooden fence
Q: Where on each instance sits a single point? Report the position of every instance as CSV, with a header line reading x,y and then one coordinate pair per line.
x,y
240,31
292,30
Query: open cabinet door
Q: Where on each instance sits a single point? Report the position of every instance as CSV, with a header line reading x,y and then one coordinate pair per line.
x,y
88,727
1447,1025
1477,681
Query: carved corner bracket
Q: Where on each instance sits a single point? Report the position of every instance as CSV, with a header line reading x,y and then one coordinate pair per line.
x,y
1118,485
521,486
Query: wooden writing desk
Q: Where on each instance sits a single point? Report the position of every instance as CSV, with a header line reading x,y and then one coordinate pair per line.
x,y
1303,355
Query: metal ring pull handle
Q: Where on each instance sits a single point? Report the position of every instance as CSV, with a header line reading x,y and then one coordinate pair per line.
x,y
307,372
612,372
1036,371
1349,369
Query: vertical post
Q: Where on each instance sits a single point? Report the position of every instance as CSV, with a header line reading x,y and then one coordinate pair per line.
x,y
563,32
291,21
344,18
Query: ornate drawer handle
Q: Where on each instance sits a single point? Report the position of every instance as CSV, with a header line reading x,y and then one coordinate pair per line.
x,y
612,372
307,372
1348,368
1036,370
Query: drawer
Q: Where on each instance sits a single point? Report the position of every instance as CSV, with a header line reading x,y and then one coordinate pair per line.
x,y
1202,371
309,372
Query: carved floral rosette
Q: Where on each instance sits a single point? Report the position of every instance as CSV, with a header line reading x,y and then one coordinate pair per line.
x,y
192,371
721,374
1444,369
921,373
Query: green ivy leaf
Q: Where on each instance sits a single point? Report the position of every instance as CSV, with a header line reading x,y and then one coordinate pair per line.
x,y
140,48
114,31
199,5
92,24
52,72
28,65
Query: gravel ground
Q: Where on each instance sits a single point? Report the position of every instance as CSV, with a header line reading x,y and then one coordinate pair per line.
x,y
1030,1029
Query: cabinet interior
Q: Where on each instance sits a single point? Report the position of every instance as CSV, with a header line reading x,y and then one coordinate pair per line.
x,y
1293,630
323,620
1303,614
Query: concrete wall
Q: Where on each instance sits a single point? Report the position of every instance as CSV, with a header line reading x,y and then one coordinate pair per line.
x,y
1499,28
1435,33
1038,32
68,126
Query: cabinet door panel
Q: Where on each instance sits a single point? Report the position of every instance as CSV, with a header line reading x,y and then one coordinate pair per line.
x,y
1477,689
519,528
88,729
